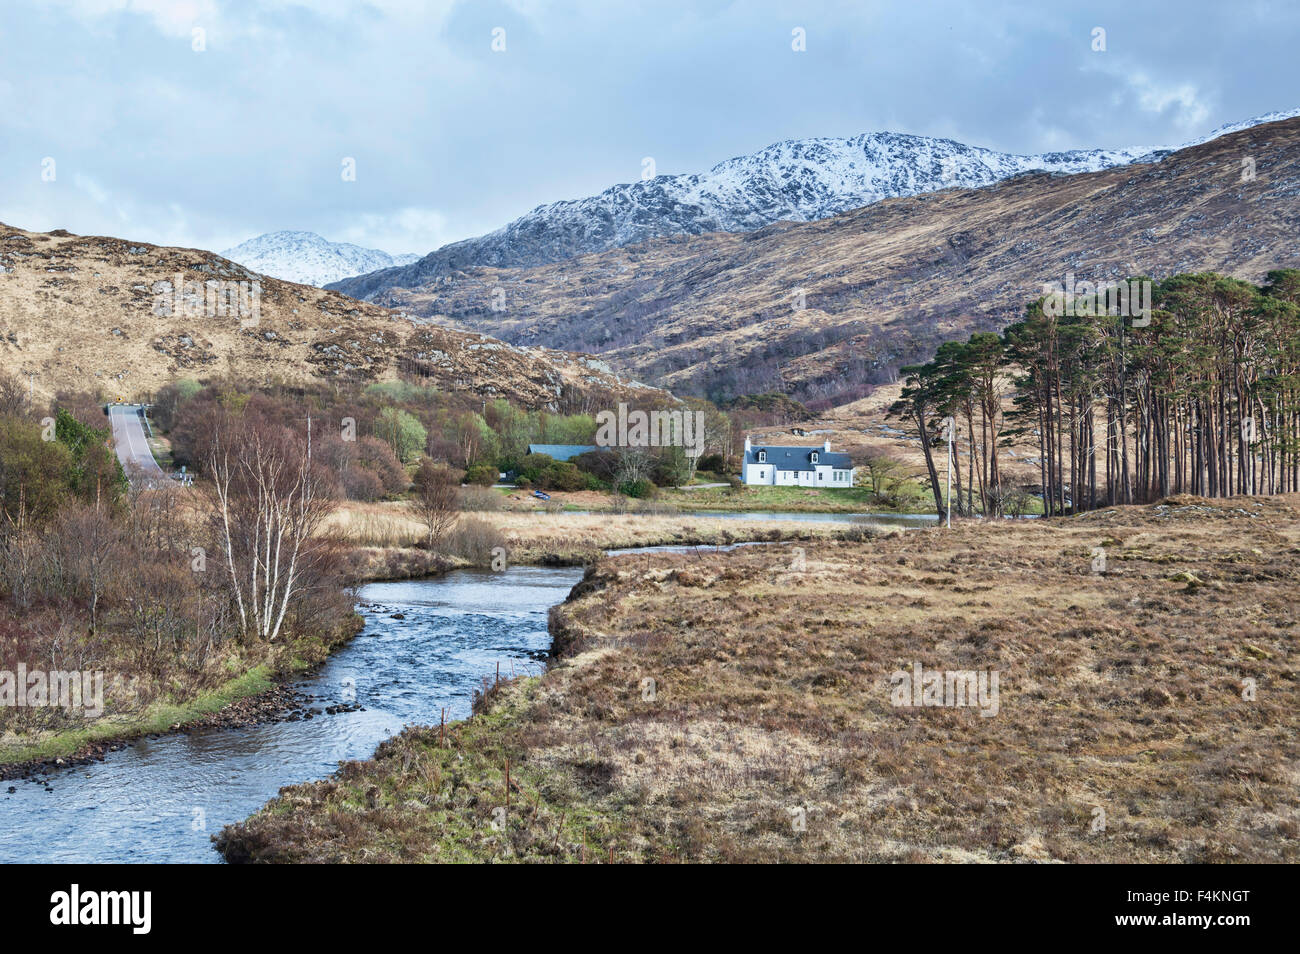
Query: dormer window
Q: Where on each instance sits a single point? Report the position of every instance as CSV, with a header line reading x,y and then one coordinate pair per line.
x,y
762,457
813,457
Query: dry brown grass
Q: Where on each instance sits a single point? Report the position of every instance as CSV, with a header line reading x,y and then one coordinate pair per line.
x,y
375,524
78,312
387,533
1120,691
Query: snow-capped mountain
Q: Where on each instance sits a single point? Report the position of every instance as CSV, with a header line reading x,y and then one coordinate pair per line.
x,y
798,180
1244,124
309,259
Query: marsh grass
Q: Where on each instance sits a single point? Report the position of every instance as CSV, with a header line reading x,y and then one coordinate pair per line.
x,y
1121,694
386,539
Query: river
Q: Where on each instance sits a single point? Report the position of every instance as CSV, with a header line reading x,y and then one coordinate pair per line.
x,y
426,644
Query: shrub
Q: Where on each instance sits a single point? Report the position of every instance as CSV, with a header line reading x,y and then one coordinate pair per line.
x,y
712,463
671,468
361,484
479,498
531,466
377,457
484,475
639,489
656,507
599,463
473,539
562,475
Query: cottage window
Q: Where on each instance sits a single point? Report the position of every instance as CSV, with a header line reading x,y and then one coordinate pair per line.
x,y
762,457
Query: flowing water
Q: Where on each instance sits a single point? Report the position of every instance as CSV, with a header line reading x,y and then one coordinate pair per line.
x,y
160,799
426,644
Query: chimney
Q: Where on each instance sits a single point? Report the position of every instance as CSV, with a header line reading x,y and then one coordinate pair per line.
x,y
747,447
827,446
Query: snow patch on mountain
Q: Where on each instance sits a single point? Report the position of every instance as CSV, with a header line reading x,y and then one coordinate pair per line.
x,y
1243,124
309,259
796,180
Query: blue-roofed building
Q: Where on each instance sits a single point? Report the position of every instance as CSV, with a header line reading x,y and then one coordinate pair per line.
x,y
561,451
782,466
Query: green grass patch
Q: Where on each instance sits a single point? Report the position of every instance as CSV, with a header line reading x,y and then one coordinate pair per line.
x,y
432,795
299,655
159,717
781,499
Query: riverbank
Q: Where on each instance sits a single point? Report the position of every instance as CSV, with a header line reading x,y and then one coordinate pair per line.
x,y
792,499
255,695
753,499
383,537
743,706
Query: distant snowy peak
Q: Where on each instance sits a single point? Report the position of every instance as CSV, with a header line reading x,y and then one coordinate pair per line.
x,y
309,259
807,179
1244,124
797,180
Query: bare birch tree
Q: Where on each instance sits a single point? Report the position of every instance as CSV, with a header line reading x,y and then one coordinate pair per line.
x,y
270,499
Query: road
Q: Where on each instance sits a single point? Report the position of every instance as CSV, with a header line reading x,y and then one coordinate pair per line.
x,y
132,447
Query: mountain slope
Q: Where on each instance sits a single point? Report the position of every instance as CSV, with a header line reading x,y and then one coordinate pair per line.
x,y
309,259
797,181
883,285
83,313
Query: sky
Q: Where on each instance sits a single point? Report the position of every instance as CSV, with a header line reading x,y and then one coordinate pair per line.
x,y
202,123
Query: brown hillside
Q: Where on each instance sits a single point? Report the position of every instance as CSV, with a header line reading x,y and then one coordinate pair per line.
x,y
884,284
78,312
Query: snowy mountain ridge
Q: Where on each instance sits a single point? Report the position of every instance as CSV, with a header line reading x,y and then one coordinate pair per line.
x,y
795,180
309,259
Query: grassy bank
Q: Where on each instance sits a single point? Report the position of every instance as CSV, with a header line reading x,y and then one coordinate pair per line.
x,y
1146,709
380,538
159,717
259,672
786,500
383,537
913,499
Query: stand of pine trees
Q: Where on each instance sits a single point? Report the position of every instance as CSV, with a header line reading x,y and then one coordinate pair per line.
x,y
1203,400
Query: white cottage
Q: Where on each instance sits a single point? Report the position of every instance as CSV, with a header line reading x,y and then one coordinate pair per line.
x,y
795,466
